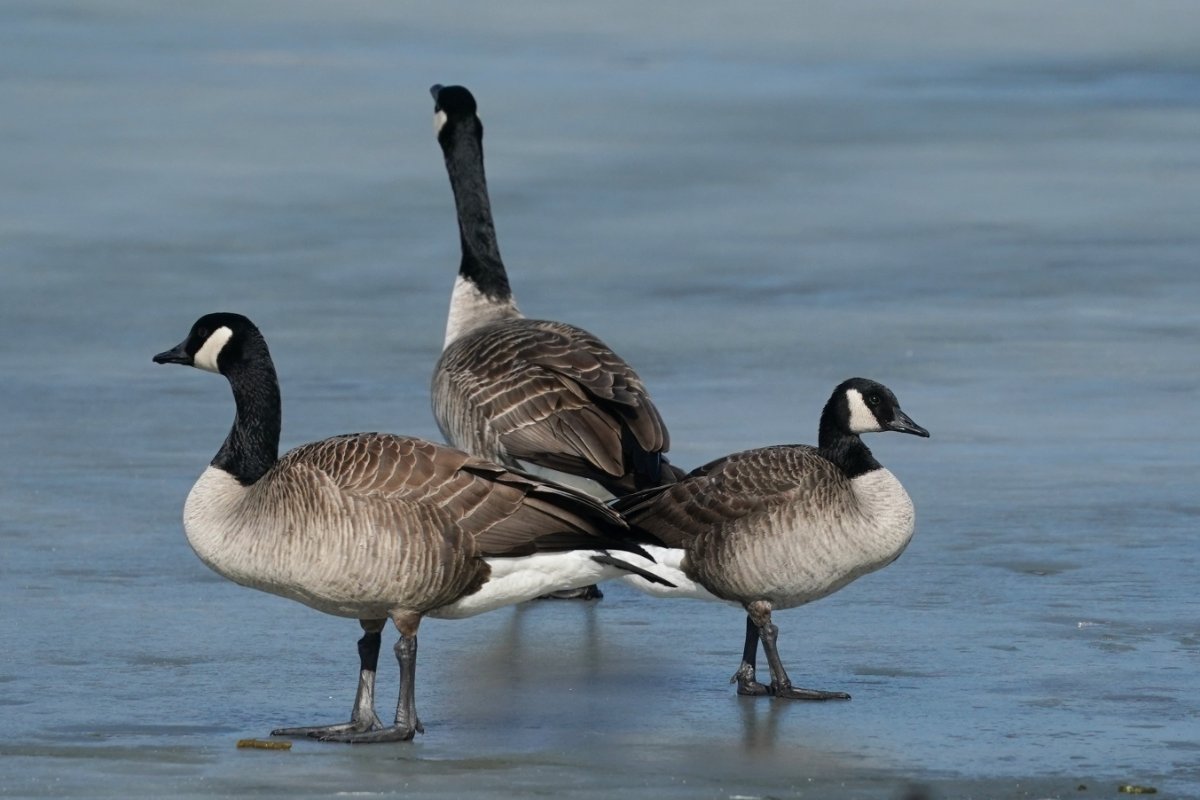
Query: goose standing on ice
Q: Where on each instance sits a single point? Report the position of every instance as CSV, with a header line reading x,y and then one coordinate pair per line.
x,y
527,391
778,527
375,526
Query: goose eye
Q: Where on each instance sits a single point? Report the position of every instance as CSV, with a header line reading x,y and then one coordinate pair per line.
x,y
872,400
201,333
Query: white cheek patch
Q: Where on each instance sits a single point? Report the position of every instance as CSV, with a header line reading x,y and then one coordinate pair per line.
x,y
206,356
861,418
439,121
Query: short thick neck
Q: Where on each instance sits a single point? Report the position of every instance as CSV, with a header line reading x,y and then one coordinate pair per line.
x,y
481,263
252,446
846,450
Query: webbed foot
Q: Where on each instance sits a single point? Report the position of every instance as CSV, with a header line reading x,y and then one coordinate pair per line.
x,y
747,685
786,691
393,733
364,725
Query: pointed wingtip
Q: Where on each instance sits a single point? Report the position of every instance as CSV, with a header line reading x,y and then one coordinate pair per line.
x,y
612,561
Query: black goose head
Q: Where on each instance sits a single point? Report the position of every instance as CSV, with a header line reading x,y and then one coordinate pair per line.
x,y
454,112
860,405
217,343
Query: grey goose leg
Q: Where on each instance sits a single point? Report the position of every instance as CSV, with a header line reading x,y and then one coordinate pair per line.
x,y
744,677
362,716
407,724
781,685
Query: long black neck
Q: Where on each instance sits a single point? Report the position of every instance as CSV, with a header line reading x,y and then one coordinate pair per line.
x,y
462,146
252,446
845,449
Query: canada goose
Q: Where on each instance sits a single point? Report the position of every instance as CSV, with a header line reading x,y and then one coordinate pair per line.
x,y
525,391
375,526
781,526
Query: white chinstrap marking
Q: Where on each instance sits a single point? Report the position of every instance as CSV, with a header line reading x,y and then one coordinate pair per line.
x,y
862,419
206,356
439,121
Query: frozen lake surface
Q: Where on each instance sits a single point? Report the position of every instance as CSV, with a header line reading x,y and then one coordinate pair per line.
x,y
992,208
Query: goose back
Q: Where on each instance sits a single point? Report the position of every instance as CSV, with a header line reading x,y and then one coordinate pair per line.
x,y
550,394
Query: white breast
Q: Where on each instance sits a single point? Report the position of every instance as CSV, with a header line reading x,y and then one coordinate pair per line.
x,y
323,563
210,523
834,551
887,508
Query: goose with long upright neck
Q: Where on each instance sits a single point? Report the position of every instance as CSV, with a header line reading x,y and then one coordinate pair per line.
x,y
781,526
375,526
521,391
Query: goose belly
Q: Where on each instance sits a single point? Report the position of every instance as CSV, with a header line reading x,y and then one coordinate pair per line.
x,y
321,559
794,558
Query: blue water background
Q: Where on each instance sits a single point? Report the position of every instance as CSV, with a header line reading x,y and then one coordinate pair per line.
x,y
992,207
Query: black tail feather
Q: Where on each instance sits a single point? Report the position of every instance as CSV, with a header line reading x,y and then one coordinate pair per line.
x,y
613,561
